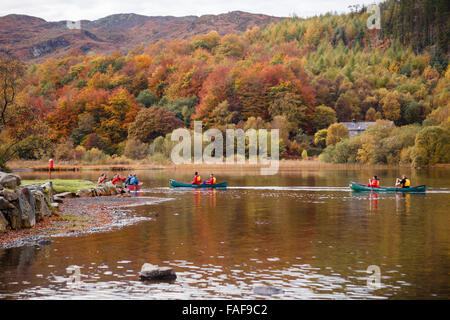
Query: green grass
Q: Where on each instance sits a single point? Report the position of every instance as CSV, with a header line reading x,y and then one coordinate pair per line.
x,y
62,185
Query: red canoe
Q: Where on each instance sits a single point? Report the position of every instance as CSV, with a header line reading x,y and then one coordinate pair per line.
x,y
133,187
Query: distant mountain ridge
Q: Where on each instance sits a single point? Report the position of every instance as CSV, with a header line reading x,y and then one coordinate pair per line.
x,y
34,39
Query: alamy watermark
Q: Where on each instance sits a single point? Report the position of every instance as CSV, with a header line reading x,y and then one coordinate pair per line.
x,y
253,142
374,21
74,281
73,25
374,280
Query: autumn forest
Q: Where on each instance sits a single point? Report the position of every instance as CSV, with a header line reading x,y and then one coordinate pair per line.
x,y
302,76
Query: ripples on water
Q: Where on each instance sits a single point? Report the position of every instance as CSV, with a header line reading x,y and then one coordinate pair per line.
x,y
313,242
298,281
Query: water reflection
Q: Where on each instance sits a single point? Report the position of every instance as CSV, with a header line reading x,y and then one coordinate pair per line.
x,y
304,232
373,202
402,203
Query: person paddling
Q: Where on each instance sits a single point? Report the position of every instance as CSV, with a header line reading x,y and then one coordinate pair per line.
x,y
134,180
404,182
212,180
117,179
197,179
374,182
127,182
102,178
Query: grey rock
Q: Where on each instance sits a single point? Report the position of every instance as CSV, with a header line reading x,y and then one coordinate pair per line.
x,y
267,291
84,193
153,272
65,195
27,207
44,242
14,218
8,195
3,223
58,200
48,188
4,204
41,208
8,180
104,190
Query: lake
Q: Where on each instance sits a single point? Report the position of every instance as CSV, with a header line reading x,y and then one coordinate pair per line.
x,y
303,232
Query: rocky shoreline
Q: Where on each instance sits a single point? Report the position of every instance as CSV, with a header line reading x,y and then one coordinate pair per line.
x,y
23,206
32,213
77,216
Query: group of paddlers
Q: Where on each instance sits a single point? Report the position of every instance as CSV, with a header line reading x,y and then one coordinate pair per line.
x,y
117,180
404,182
198,179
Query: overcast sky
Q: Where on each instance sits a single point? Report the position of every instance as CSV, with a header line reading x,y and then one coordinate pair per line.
x,y
54,10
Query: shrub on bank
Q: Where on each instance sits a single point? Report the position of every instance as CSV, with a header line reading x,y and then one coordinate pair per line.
x,y
432,145
135,149
383,144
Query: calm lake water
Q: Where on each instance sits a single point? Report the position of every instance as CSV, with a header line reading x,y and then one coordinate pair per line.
x,y
304,232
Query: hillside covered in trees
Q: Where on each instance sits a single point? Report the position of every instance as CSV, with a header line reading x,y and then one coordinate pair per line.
x,y
297,75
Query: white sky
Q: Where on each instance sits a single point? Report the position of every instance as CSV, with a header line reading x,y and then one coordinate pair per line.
x,y
54,10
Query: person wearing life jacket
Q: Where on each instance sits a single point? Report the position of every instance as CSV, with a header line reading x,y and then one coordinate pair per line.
x,y
134,180
374,182
102,178
127,182
197,179
404,182
212,180
117,179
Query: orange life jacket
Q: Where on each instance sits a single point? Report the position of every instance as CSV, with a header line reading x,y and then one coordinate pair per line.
x,y
374,183
197,179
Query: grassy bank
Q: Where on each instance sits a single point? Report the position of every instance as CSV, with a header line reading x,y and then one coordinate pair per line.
x,y
60,185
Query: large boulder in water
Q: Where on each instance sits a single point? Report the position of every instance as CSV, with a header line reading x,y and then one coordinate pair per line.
x,y
153,272
8,180
267,291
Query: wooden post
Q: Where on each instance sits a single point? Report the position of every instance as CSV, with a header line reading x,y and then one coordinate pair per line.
x,y
50,167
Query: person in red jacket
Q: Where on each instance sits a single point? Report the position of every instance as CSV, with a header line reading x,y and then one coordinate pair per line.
x,y
117,179
212,180
374,182
102,178
197,179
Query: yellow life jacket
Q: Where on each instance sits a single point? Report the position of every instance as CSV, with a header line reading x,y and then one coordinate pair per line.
x,y
407,183
199,179
214,181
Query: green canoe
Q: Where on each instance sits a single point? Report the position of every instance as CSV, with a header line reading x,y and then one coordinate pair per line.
x,y
176,184
360,187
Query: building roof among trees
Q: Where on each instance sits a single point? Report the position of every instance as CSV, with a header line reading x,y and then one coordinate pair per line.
x,y
359,126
